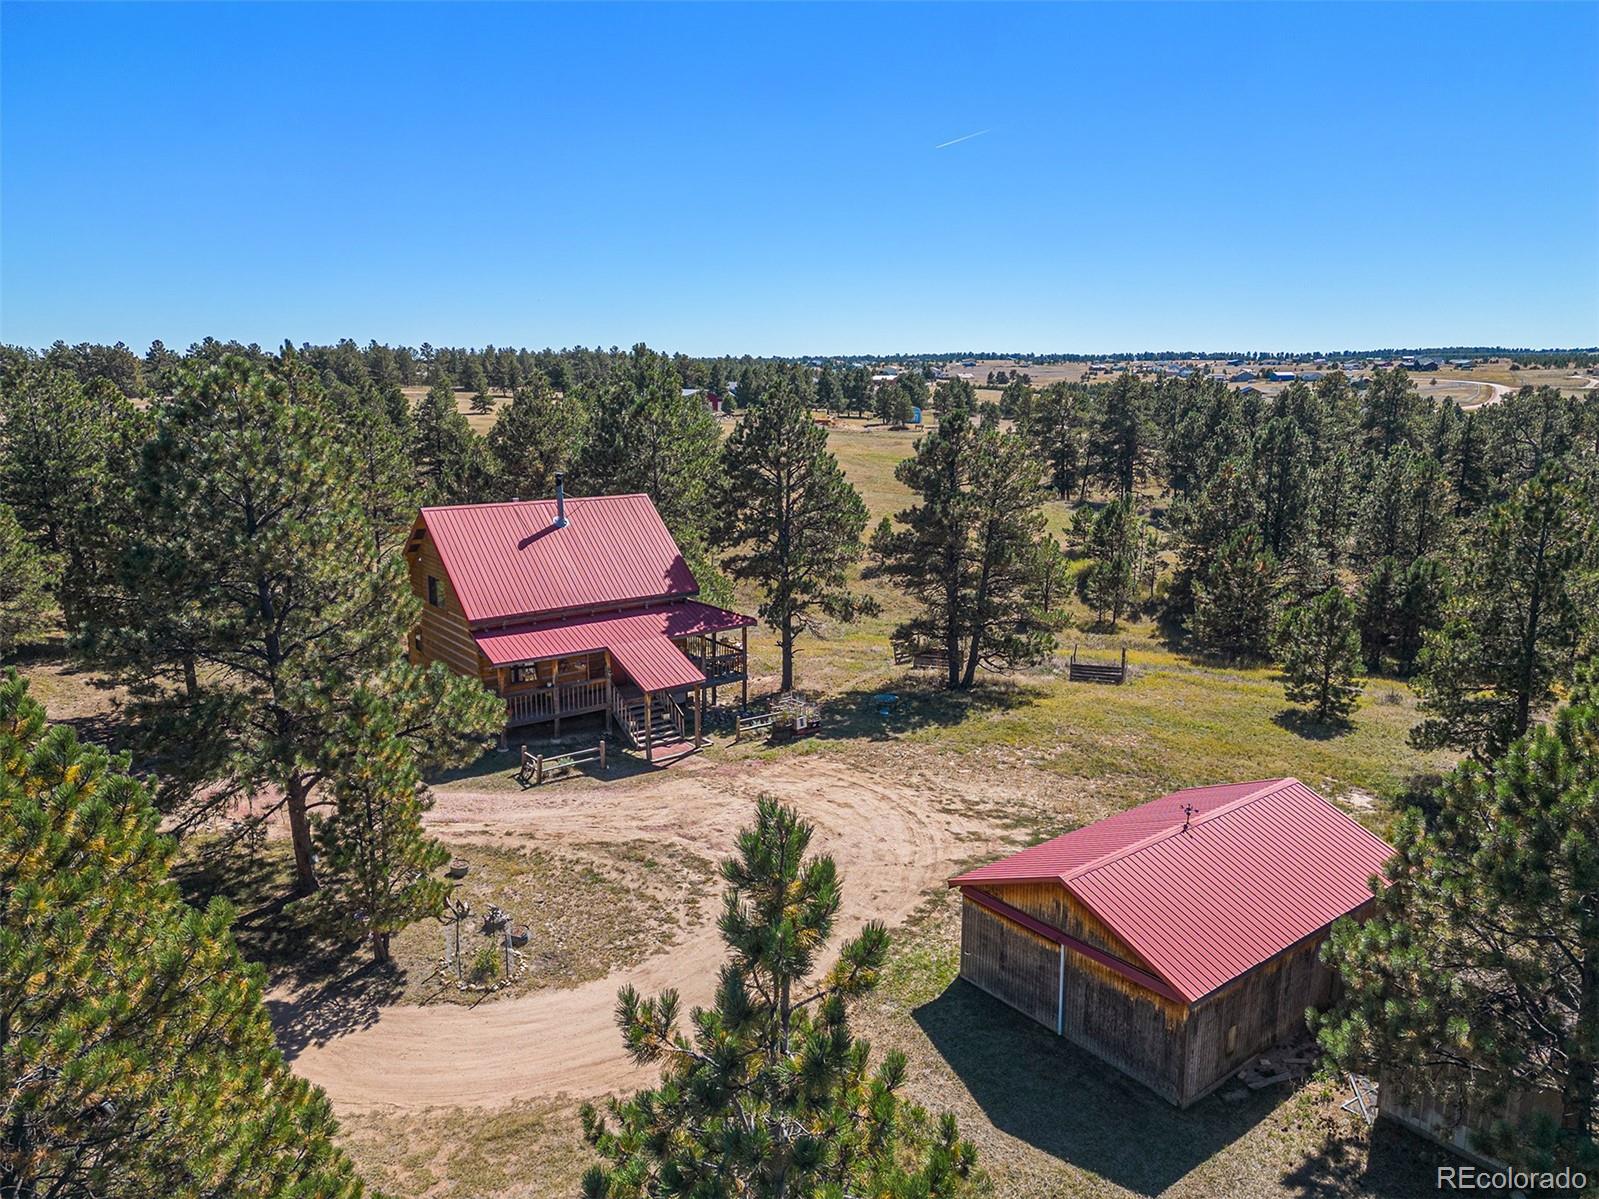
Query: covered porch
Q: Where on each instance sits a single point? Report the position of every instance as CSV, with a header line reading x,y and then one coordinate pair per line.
x,y
647,670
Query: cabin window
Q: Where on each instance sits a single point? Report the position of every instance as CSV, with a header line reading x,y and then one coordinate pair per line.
x,y
524,674
1232,1039
416,640
433,591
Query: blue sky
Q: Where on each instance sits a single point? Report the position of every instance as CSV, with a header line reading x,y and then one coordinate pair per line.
x,y
764,179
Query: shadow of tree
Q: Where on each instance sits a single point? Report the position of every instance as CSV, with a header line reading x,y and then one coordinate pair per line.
x,y
579,732
1304,724
919,704
325,1011
1396,1162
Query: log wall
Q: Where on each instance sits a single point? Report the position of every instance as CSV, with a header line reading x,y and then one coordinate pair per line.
x,y
443,629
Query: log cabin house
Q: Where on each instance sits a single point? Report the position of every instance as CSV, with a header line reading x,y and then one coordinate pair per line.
x,y
572,606
1176,940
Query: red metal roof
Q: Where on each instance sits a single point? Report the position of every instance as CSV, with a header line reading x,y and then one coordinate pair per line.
x,y
640,642
509,560
1259,867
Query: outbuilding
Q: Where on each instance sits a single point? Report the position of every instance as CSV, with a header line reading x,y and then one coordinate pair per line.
x,y
1178,939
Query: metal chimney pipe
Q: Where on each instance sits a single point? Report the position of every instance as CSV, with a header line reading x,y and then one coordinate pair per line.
x,y
560,500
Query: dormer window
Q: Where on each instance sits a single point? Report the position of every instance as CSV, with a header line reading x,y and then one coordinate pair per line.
x,y
433,591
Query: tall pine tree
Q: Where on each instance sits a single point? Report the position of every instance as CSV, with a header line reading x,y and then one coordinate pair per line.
x,y
136,1054
793,521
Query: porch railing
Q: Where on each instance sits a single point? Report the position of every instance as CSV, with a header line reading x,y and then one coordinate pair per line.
x,y
546,703
727,665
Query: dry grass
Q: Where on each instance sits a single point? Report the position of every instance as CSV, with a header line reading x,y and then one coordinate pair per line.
x,y
531,1151
590,910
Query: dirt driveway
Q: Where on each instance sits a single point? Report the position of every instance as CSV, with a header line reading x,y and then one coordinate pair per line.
x,y
894,845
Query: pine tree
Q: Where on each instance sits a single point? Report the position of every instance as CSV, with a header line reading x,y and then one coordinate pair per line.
x,y
26,578
482,404
1476,980
771,1094
1234,599
1320,650
646,435
537,435
252,579
450,458
1205,522
829,391
375,426
1057,428
973,552
1123,442
66,454
792,520
1117,546
881,543
137,1055
376,863
1512,628
1283,468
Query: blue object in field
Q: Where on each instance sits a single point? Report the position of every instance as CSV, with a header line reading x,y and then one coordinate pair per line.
x,y
916,416
885,701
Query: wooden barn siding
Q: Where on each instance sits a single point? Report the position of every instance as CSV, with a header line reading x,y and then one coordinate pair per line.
x,y
1135,1030
1051,903
1268,1006
1012,964
445,635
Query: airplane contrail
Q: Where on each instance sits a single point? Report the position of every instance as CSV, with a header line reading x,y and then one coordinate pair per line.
x,y
968,137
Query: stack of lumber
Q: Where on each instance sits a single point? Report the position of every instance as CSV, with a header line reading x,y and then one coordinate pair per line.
x,y
1286,1063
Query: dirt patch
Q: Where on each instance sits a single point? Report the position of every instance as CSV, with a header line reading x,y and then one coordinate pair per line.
x,y
894,844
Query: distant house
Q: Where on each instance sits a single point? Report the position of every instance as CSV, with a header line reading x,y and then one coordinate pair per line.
x,y
1464,364
1241,377
1250,391
1282,376
568,607
1178,939
1311,376
712,403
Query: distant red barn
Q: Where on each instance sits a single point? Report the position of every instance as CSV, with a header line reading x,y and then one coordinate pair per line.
x,y
571,606
1177,939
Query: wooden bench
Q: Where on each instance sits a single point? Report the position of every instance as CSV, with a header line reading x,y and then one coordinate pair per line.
x,y
536,768
1096,672
921,659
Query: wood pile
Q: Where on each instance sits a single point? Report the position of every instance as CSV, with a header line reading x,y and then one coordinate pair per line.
x,y
1286,1063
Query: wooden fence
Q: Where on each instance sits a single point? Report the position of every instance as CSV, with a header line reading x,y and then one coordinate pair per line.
x,y
536,768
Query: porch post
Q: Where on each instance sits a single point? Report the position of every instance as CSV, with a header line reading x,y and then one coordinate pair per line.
x,y
610,695
699,702
744,632
649,726
713,655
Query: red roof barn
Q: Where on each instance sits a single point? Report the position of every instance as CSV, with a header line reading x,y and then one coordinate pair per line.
x,y
1179,938
573,606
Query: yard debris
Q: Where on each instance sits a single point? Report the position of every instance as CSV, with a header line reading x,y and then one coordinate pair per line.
x,y
1285,1063
1364,1101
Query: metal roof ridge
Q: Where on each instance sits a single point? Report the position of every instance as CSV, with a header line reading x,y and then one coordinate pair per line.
x,y
571,499
1272,786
